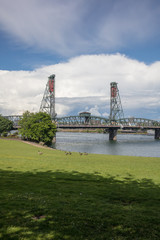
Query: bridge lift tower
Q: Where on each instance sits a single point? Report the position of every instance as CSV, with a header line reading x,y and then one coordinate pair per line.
x,y
116,110
48,101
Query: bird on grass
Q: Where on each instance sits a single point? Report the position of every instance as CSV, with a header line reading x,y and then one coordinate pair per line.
x,y
85,153
40,153
68,153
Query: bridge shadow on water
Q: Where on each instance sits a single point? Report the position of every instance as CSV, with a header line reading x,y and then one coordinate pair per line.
x,y
62,205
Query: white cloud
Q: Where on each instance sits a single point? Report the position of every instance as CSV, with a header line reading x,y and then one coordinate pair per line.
x,y
83,82
76,27
95,111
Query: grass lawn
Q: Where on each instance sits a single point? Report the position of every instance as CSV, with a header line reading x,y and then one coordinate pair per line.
x,y
88,197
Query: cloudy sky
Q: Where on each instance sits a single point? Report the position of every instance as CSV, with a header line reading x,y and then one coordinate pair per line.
x,y
87,45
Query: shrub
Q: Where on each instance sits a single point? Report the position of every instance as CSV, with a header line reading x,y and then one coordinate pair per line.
x,y
5,124
37,127
4,134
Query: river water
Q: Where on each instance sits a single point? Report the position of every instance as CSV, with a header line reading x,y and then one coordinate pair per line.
x,y
126,144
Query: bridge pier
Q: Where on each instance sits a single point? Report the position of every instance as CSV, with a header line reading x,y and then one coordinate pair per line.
x,y
113,134
157,133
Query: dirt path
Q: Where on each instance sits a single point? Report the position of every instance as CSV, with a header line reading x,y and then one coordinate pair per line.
x,y
36,144
28,142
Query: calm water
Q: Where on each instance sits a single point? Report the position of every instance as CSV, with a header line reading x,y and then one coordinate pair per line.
x,y
126,144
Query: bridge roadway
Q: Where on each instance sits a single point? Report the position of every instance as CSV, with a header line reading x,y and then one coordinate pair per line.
x,y
95,122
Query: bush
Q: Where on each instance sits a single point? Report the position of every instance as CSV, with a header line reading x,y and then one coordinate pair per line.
x,y
4,134
37,127
5,124
14,135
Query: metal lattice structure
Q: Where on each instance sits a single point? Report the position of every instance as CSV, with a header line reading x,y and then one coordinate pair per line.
x,y
48,101
81,120
138,122
116,110
95,121
105,122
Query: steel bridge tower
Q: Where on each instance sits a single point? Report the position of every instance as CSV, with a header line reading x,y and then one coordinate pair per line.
x,y
48,101
116,110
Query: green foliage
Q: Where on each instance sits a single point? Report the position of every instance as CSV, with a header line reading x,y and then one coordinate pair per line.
x,y
37,127
5,124
4,134
14,135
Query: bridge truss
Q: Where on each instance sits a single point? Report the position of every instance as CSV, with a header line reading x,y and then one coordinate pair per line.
x,y
75,120
78,122
100,121
142,122
94,121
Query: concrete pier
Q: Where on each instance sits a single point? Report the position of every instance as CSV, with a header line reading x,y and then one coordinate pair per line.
x,y
113,134
157,133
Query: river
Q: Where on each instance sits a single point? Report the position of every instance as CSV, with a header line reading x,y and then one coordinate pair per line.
x,y
126,144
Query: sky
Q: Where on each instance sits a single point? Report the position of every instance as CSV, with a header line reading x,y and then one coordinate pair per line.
x,y
87,45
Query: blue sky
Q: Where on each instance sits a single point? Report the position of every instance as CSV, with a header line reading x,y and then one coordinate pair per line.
x,y
43,37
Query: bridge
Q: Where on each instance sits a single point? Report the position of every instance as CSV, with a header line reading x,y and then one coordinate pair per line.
x,y
85,120
94,122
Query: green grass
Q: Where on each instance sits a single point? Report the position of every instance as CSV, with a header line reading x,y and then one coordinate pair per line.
x,y
89,197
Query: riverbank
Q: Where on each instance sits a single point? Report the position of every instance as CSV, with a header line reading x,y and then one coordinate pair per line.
x,y
51,194
81,130
99,130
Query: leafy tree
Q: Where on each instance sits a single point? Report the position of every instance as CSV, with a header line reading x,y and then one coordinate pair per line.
x,y
5,124
37,127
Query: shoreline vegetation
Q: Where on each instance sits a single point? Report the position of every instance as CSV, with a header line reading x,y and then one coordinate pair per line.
x,y
102,131
52,195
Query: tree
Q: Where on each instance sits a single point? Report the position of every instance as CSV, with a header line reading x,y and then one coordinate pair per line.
x,y
5,124
37,127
